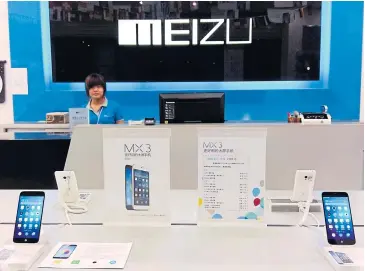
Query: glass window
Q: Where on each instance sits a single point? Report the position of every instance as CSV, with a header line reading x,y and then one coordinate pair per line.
x,y
182,41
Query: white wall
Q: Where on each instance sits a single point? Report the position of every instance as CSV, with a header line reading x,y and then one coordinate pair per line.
x,y
16,80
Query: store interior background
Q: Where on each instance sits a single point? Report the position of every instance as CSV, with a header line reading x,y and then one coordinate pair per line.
x,y
28,100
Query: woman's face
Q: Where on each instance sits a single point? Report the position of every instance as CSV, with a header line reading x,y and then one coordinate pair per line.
x,y
96,92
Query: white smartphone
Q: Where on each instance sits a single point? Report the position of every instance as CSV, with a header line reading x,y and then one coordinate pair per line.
x,y
303,185
67,186
141,188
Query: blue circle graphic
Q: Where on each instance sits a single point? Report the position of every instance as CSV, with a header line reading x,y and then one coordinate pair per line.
x,y
217,216
262,204
256,191
251,215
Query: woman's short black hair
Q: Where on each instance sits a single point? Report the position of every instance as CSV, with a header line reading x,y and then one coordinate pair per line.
x,y
93,80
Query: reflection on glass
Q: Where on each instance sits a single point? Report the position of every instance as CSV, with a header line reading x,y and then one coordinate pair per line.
x,y
185,41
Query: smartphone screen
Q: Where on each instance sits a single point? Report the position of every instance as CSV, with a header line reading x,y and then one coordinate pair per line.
x,y
29,217
128,187
65,252
338,218
141,188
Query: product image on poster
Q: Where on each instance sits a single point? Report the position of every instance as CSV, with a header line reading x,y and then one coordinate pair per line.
x,y
141,189
129,187
65,252
137,176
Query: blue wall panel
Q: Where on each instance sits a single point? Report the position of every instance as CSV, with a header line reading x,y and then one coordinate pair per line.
x,y
342,94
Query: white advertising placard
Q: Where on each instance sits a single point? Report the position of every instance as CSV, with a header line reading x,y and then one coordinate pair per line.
x,y
231,172
78,116
137,175
87,256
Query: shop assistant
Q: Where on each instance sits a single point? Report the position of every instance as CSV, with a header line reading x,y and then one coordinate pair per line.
x,y
101,110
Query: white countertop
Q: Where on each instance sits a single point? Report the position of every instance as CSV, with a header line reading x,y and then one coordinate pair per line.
x,y
43,125
197,249
53,212
34,126
183,208
275,218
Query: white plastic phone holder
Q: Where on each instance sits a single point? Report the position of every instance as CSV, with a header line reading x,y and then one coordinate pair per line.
x,y
69,193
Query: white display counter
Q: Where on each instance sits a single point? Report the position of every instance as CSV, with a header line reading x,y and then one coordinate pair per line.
x,y
197,249
335,151
183,208
34,127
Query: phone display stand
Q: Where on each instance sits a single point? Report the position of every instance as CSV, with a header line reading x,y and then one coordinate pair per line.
x,y
286,205
23,256
302,194
356,254
303,185
70,199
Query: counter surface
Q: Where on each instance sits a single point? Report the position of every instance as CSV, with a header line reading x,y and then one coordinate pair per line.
x,y
183,208
198,248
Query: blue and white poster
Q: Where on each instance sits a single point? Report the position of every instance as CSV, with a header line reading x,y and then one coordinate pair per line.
x,y
231,172
137,176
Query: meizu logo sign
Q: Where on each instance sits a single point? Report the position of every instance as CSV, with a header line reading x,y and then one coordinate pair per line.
x,y
127,32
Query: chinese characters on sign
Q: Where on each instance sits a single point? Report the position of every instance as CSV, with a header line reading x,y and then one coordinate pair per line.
x,y
231,174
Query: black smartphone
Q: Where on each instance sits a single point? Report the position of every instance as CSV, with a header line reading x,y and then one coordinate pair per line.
x,y
28,221
128,187
338,218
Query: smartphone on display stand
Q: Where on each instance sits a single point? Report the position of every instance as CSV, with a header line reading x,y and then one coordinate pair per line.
x,y
128,187
338,218
65,252
303,185
67,186
28,221
141,188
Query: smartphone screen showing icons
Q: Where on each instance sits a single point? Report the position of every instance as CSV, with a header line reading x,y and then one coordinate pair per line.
x,y
29,217
65,252
141,191
338,218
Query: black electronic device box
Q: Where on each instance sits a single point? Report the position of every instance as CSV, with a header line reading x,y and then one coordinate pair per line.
x,y
191,108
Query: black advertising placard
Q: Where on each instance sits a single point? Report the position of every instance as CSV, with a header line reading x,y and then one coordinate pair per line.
x,y
2,81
